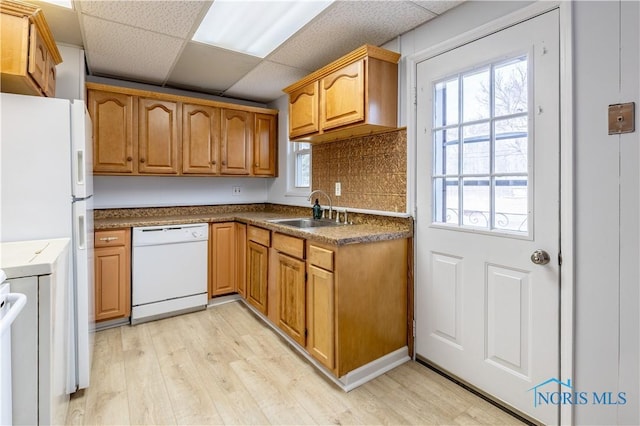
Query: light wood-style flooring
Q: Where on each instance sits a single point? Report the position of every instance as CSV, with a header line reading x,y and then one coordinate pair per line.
x,y
224,366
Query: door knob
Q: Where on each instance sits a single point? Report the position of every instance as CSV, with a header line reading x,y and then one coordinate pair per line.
x,y
540,257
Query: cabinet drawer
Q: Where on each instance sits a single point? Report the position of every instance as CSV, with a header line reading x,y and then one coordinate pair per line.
x,y
259,235
111,238
290,245
320,257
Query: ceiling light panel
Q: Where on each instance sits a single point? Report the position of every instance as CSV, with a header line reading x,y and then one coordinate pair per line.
x,y
255,27
61,3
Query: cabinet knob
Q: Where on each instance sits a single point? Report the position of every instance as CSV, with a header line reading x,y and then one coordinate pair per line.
x,y
224,163
256,164
142,160
129,159
213,163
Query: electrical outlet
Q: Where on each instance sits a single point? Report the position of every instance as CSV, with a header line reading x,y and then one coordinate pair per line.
x,y
338,189
237,190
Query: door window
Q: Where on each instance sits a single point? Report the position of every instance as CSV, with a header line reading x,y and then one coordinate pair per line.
x,y
480,134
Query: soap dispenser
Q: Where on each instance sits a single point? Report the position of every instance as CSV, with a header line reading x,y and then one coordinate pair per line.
x,y
317,210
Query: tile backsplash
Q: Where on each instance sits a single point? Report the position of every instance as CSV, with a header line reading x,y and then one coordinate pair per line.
x,y
372,171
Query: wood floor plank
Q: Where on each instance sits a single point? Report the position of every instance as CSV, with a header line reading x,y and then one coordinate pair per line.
x,y
106,399
190,401
278,406
149,401
223,365
232,400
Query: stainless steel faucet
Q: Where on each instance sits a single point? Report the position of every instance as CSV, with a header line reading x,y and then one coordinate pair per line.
x,y
328,198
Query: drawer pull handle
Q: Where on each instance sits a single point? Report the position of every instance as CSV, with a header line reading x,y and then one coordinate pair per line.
x,y
108,239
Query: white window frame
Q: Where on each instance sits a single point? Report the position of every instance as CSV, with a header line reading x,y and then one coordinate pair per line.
x,y
293,151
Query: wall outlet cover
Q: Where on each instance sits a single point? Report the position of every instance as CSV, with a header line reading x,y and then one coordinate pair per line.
x,y
338,189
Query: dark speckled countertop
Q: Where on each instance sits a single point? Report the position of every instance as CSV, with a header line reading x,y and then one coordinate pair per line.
x,y
366,228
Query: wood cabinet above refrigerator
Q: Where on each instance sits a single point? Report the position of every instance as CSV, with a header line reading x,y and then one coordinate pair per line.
x,y
29,53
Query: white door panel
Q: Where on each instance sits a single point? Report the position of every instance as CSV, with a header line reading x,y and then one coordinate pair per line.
x,y
487,197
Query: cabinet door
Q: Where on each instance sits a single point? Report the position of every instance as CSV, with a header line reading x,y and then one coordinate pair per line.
x,y
112,283
241,259
50,89
303,111
264,145
157,136
321,316
37,57
112,118
257,270
200,139
291,297
343,96
222,264
236,141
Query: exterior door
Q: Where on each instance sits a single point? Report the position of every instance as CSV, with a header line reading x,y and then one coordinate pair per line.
x,y
487,199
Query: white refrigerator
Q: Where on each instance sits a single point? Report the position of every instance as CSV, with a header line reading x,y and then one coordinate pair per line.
x,y
46,189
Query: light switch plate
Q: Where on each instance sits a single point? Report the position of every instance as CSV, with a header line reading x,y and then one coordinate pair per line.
x,y
622,118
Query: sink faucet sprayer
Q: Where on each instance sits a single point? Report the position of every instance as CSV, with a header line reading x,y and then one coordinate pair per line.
x,y
328,198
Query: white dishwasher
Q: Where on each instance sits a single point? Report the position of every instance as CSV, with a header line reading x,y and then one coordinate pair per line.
x,y
169,270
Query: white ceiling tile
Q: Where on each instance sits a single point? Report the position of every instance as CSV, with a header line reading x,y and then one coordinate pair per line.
x,y
438,6
175,18
119,50
265,82
346,25
213,69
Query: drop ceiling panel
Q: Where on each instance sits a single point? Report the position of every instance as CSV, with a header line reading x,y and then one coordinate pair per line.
x,y
346,25
210,68
438,7
265,82
175,18
120,50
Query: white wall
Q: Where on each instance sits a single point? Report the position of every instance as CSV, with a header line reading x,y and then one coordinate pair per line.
x,y
70,73
150,191
607,183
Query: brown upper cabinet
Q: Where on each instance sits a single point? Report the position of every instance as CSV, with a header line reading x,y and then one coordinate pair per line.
x,y
264,145
157,136
200,139
29,52
353,96
138,132
237,142
112,117
303,111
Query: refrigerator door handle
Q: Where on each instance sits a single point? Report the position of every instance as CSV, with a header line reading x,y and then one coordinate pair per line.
x,y
80,178
82,232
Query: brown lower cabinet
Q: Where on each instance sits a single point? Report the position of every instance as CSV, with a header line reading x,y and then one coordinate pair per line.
x,y
345,305
258,242
222,260
112,274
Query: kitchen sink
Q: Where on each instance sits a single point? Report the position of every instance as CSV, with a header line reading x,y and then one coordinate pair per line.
x,y
305,222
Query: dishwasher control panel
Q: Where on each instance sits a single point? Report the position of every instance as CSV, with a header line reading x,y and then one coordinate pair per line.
x,y
169,234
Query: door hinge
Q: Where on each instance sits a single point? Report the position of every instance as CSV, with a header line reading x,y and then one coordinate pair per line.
x,y
415,95
560,259
414,328
306,332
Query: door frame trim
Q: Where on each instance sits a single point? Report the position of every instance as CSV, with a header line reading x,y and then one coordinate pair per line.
x,y
567,233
